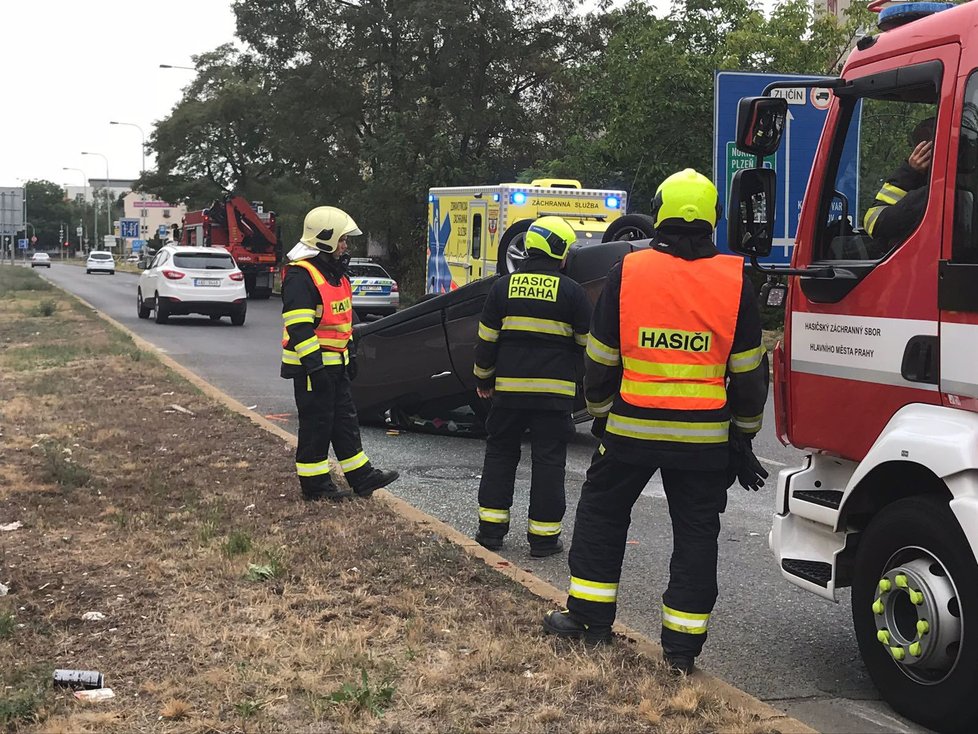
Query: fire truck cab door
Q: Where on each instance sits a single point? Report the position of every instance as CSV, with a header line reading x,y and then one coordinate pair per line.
x,y
477,239
866,343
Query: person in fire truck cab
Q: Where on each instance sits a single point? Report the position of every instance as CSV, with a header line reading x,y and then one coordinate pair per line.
x,y
318,327
676,378
900,203
532,331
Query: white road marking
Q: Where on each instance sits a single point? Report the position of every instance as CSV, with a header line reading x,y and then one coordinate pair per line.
x,y
772,462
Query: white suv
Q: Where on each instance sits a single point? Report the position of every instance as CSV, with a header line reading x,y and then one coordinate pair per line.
x,y
185,280
100,261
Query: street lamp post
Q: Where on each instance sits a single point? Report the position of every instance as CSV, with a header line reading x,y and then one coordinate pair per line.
x,y
84,201
108,201
142,172
173,66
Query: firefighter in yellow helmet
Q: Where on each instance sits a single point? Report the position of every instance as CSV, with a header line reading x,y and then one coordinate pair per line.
x,y
676,378
318,316
531,334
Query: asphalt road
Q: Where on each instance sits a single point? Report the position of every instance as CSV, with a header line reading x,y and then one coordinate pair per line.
x,y
767,637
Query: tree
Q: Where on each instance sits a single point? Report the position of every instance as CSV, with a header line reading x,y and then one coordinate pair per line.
x,y
48,210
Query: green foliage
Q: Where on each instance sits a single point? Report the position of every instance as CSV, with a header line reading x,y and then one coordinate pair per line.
x,y
23,697
273,568
47,307
7,624
61,468
238,543
363,696
248,708
366,105
14,279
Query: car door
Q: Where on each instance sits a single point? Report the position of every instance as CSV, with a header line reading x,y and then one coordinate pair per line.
x,y
151,277
863,344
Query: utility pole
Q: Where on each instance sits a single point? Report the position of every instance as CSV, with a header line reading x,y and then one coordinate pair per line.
x,y
108,205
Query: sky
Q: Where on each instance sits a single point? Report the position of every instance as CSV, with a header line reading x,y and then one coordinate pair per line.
x,y
69,68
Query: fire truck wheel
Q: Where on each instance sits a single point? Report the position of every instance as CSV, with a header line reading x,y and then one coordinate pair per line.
x,y
162,311
142,310
914,588
512,248
630,227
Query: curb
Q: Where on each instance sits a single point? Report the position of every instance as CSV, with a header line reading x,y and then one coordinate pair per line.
x,y
737,698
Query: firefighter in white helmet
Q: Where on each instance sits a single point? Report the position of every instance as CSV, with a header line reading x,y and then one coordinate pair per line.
x,y
318,319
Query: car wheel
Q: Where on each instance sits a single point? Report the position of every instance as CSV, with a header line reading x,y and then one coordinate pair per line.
x,y
630,227
162,312
913,595
142,310
111,272
238,317
512,248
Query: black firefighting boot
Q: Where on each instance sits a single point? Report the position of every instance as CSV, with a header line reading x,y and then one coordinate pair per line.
x,y
492,542
549,548
563,624
324,489
679,664
376,479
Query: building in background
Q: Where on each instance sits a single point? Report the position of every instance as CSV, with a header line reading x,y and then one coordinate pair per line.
x,y
837,8
117,187
152,213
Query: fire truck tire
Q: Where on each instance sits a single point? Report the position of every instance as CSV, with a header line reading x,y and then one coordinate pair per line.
x,y
630,227
914,592
162,311
142,310
511,247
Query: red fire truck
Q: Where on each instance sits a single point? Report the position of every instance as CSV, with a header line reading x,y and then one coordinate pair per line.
x,y
246,231
877,377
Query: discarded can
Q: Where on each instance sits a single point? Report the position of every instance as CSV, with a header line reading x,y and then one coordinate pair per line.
x,y
78,678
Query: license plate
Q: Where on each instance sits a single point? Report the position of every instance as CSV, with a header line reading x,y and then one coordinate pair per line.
x,y
371,288
209,282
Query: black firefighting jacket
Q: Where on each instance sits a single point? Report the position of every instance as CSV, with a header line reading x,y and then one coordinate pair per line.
x,y
299,293
531,334
898,208
746,377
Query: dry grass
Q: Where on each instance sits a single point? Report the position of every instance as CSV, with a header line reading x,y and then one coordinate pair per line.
x,y
366,624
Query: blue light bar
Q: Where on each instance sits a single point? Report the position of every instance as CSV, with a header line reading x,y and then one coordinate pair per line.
x,y
897,15
431,198
517,197
612,202
495,197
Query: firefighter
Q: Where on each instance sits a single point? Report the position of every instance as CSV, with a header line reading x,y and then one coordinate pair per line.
x,y
676,378
532,331
900,203
318,316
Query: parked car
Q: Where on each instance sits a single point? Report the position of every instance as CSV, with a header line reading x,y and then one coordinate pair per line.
x,y
40,260
100,261
374,290
192,280
416,366
132,257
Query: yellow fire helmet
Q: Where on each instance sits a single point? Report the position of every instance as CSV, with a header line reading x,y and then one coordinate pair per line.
x,y
686,196
551,235
324,226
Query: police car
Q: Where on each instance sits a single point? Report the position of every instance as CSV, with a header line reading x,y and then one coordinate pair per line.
x,y
374,290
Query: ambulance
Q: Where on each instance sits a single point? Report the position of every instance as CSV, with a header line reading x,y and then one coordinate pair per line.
x,y
877,376
477,231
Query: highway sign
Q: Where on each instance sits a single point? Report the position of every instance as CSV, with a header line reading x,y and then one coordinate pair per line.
x,y
129,228
138,245
22,244
807,110
78,231
162,231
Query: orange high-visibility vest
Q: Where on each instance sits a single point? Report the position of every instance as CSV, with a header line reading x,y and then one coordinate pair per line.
x,y
334,316
678,319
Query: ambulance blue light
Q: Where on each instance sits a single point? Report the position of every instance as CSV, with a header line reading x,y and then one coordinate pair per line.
x,y
431,198
897,15
517,197
495,197
612,202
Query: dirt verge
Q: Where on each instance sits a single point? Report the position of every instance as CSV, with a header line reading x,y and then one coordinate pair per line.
x,y
227,604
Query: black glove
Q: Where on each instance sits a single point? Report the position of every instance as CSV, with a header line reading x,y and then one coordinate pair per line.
x,y
597,427
744,466
352,368
319,380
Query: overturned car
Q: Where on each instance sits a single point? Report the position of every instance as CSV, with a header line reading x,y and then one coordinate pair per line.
x,y
415,366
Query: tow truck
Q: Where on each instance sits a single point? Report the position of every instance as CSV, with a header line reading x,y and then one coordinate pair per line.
x,y
247,231
877,375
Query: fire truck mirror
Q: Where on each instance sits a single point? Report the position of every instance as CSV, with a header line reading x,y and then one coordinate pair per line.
x,y
760,122
750,224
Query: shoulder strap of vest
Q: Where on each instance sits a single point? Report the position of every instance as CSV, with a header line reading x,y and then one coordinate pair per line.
x,y
314,273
